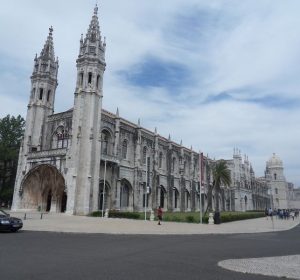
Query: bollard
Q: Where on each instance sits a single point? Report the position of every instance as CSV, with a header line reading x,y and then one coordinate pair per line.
x,y
25,216
151,215
41,216
210,219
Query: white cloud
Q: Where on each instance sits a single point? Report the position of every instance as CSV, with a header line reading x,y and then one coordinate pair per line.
x,y
245,44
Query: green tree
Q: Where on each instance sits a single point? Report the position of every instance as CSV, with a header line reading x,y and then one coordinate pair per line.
x,y
221,177
11,133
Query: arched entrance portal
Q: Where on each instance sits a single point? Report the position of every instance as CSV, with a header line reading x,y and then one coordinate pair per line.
x,y
126,196
43,188
104,193
162,197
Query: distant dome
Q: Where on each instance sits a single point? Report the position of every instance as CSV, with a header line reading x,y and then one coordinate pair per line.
x,y
274,161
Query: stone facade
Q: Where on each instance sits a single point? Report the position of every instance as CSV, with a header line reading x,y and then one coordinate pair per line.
x,y
87,159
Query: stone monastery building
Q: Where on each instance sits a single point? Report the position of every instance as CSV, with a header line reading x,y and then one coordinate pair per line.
x,y
75,161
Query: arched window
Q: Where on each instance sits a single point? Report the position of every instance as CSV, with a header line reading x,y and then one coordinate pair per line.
x,y
124,195
41,93
124,149
98,82
60,138
144,155
81,79
275,176
160,160
176,197
90,78
48,95
105,142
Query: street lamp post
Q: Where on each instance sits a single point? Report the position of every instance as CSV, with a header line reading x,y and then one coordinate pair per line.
x,y
145,191
200,184
103,192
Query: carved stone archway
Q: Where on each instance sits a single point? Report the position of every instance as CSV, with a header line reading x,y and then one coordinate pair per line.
x,y
43,188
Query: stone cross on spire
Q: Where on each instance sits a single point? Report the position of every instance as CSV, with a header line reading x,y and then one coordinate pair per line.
x,y
96,10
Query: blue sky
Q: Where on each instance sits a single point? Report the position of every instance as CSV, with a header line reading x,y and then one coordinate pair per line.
x,y
214,74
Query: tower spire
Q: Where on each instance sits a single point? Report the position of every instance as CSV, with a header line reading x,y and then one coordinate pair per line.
x,y
48,49
93,44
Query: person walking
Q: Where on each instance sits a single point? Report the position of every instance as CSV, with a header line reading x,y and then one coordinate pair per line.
x,y
159,215
292,214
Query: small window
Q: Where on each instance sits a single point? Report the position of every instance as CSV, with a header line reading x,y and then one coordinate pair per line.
x,y
160,160
34,149
98,80
124,149
144,155
90,78
276,191
41,93
275,176
48,95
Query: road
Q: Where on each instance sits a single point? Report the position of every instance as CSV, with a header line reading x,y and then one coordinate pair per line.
x,y
48,255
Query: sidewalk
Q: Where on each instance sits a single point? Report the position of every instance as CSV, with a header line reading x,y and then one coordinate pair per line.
x,y
82,224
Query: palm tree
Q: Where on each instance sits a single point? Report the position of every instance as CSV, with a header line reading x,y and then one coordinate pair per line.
x,y
221,176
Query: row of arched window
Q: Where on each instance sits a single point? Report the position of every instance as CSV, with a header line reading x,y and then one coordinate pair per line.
x,y
89,79
60,139
107,149
41,94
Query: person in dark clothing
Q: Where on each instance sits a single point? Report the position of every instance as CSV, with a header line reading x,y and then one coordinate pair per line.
x,y
159,215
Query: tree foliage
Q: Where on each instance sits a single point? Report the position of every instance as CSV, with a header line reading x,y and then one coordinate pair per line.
x,y
221,177
11,133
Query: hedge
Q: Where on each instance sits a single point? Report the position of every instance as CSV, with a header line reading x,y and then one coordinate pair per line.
x,y
118,214
185,217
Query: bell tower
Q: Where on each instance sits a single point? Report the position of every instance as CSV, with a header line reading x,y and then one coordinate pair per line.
x,y
40,106
43,86
83,161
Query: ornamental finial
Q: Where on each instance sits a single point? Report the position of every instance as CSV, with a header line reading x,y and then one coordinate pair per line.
x,y
96,10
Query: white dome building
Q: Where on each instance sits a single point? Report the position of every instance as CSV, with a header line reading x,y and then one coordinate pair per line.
x,y
277,182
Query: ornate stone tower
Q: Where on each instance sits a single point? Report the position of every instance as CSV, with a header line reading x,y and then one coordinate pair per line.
x,y
83,159
277,182
40,106
43,86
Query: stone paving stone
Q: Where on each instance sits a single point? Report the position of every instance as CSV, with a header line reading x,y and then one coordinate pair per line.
x,y
283,266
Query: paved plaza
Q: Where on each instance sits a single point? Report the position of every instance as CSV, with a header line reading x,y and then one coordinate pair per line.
x,y
59,222
271,261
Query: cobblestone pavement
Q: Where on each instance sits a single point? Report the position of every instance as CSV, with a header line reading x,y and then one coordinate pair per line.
x,y
285,266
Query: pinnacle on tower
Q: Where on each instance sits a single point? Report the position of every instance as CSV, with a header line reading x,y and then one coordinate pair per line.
x,y
45,62
92,44
48,50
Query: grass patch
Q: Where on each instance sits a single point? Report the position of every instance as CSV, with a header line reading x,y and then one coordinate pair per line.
x,y
183,217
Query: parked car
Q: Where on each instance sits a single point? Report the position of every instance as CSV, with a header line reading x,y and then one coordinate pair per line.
x,y
8,223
